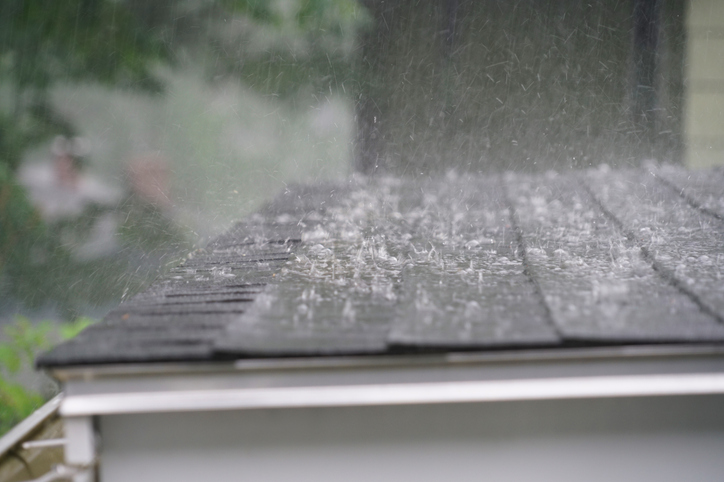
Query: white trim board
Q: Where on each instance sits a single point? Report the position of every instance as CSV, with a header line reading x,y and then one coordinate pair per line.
x,y
394,394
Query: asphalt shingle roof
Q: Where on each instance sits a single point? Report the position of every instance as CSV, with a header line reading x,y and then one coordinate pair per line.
x,y
390,265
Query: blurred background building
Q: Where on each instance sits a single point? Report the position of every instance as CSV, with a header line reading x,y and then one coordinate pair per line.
x,y
704,118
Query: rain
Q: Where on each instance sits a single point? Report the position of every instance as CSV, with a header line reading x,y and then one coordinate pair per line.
x,y
492,148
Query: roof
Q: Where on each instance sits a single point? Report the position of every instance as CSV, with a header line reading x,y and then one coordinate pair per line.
x,y
392,265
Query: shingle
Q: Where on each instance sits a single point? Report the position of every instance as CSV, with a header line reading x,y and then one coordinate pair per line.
x,y
703,190
398,265
595,281
329,297
465,284
684,244
107,351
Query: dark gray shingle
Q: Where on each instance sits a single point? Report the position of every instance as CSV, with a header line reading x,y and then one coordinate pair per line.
x,y
395,265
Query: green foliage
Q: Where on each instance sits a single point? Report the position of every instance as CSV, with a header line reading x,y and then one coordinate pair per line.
x,y
24,340
338,16
43,43
259,10
97,40
36,266
280,47
19,221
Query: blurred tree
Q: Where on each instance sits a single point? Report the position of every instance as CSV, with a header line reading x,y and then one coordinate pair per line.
x,y
284,48
43,43
119,42
279,47
23,341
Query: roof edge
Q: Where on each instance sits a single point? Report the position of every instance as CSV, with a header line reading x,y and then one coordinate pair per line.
x,y
87,372
625,386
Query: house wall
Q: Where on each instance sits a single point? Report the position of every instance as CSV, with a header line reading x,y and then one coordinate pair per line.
x,y
662,439
704,119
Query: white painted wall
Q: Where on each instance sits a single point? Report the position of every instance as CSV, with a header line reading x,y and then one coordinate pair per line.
x,y
661,439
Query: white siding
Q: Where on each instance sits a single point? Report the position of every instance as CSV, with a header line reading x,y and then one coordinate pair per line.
x,y
661,439
704,122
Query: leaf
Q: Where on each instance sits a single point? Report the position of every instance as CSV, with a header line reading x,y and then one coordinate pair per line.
x,y
10,359
26,341
22,401
71,330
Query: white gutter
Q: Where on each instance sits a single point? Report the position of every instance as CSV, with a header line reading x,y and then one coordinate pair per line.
x,y
24,429
394,394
